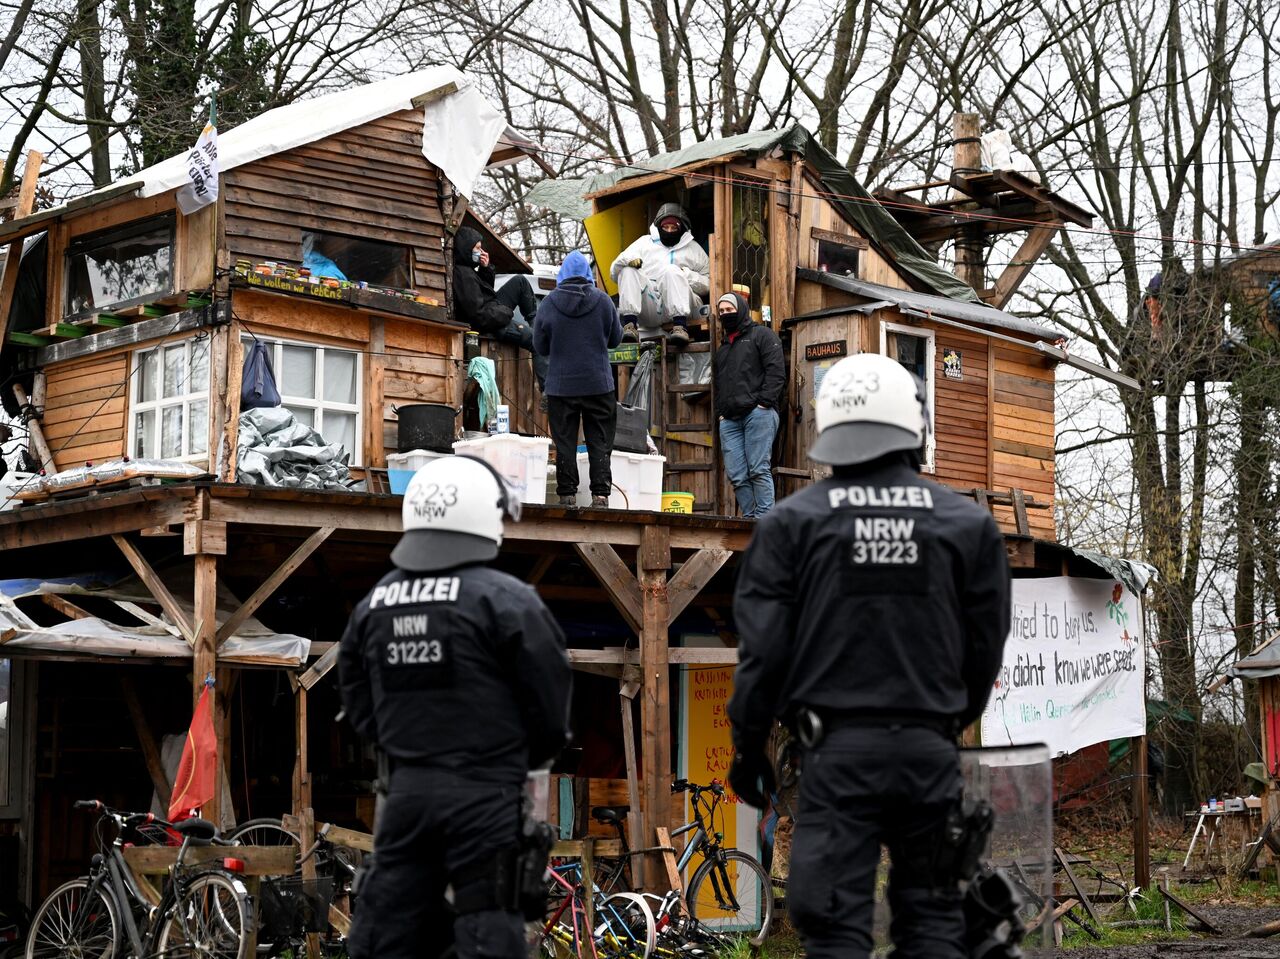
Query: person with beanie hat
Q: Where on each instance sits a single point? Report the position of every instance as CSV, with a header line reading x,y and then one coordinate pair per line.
x,y
749,374
577,326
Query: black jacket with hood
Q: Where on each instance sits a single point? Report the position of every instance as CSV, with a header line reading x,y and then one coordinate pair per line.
x,y
474,299
749,367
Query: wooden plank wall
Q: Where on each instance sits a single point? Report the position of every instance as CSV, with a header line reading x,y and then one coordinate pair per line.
x,y
371,181
85,408
960,411
1022,426
513,368
421,365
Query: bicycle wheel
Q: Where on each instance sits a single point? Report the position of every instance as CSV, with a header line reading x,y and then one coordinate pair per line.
x,y
210,920
733,894
262,832
625,928
75,922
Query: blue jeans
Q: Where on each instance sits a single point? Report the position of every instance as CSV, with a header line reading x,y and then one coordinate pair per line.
x,y
747,444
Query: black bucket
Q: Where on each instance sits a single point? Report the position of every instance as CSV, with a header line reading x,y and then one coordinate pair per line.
x,y
425,426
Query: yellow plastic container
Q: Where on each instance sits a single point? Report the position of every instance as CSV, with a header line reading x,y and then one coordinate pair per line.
x,y
677,502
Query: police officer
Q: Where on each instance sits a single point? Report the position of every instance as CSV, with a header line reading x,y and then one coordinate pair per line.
x,y
872,610
458,673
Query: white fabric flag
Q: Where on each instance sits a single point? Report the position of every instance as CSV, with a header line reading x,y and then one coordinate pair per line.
x,y
459,132
202,171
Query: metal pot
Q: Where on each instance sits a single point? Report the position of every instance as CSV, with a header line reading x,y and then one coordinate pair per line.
x,y
425,426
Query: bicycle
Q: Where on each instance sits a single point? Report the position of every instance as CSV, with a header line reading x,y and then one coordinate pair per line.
x,y
624,926
204,912
712,894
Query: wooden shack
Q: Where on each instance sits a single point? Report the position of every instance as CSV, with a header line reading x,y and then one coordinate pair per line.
x,y
834,273
126,325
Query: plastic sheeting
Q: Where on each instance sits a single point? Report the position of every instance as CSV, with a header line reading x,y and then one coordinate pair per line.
x,y
640,388
842,188
274,449
252,644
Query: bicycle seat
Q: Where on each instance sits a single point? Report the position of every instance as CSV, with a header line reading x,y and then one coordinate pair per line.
x,y
610,815
198,832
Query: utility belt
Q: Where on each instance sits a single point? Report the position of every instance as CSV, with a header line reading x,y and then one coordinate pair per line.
x,y
811,727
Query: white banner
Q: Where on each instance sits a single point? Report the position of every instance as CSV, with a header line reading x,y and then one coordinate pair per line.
x,y
1073,667
202,170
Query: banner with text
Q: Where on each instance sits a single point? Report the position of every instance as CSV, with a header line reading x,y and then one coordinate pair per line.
x,y
1073,667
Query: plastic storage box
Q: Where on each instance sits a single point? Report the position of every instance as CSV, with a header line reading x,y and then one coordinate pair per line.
x,y
637,481
402,466
522,460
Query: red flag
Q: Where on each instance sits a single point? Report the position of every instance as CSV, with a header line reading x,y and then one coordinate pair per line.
x,y
193,786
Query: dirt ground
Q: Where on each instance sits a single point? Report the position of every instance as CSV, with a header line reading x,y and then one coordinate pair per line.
x,y
1234,922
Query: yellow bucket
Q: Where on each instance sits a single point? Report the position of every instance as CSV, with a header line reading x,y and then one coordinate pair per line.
x,y
677,502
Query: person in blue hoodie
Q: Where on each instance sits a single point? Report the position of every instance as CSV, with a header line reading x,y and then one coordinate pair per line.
x,y
576,327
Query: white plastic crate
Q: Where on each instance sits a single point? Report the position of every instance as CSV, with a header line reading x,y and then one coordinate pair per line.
x,y
402,466
637,481
522,460
13,481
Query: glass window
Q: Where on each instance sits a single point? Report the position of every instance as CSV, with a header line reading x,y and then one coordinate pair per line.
x,y
171,401
320,385
913,348
120,267
837,258
348,258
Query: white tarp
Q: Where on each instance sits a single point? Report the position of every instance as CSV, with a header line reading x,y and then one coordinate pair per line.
x,y
1073,666
459,133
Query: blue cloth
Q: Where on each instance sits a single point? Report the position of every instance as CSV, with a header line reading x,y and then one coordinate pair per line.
x,y
481,370
575,328
747,444
321,265
575,265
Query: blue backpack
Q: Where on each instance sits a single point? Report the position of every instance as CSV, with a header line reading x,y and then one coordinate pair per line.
x,y
258,385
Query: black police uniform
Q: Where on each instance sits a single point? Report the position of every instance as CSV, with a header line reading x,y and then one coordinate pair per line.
x,y
461,679
880,601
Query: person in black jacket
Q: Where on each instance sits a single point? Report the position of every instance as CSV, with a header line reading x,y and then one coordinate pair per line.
x,y
872,611
457,672
749,374
577,326
493,312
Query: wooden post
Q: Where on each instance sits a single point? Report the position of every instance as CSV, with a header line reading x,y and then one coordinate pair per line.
x,y
968,160
204,629
1141,807
653,562
301,770
26,205
627,689
38,444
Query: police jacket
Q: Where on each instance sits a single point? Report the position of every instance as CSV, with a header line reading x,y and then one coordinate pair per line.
x,y
879,593
474,299
463,669
749,371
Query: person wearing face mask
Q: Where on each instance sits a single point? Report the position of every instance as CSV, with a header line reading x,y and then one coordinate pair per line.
x,y
661,279
749,374
475,301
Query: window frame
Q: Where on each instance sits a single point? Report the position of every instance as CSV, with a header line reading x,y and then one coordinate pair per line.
x,y
405,249
80,244
930,464
316,404
185,399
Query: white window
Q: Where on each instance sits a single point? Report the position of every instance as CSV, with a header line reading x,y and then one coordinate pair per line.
x,y
169,415
913,348
320,385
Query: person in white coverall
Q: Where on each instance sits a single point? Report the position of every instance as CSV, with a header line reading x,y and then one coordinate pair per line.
x,y
661,279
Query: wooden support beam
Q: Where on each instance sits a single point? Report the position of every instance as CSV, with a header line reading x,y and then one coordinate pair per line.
x,y
64,606
206,664
146,740
204,536
1065,863
635,820
1036,242
320,668
1141,813
653,560
162,594
350,838
1190,912
274,581
692,577
26,203
36,432
301,767
624,593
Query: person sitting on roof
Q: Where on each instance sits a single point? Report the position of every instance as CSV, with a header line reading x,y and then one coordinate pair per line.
x,y
493,311
662,278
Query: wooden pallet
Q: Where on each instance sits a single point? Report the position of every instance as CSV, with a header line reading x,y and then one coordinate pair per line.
x,y
90,491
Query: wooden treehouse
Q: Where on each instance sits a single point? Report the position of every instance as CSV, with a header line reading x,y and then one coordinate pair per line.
x,y
126,324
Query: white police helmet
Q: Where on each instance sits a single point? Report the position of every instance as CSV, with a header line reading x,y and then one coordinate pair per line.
x,y
868,405
453,513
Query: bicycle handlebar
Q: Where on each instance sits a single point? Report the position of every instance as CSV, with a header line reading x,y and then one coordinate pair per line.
x,y
121,817
683,785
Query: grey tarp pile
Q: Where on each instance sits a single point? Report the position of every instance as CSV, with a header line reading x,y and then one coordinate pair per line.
x,y
274,449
